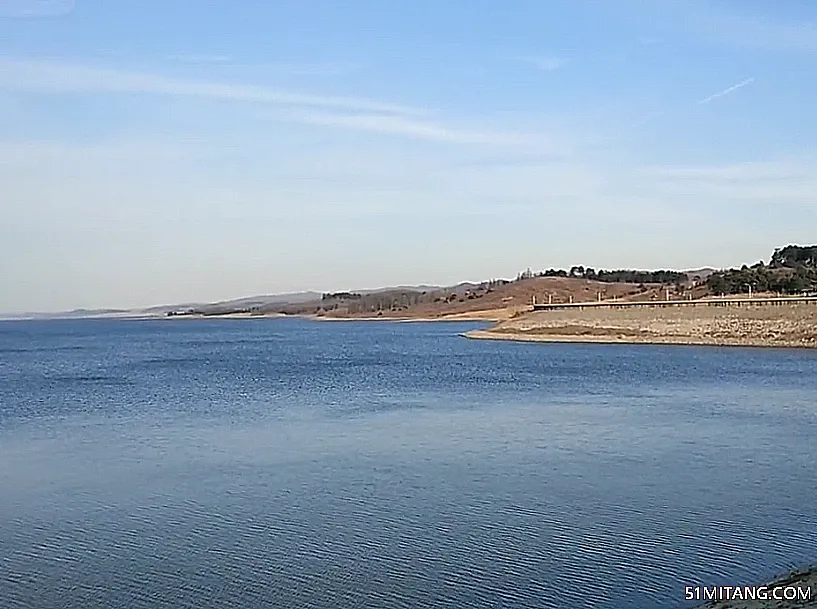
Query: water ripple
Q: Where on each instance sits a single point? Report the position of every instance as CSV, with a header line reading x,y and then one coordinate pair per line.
x,y
295,465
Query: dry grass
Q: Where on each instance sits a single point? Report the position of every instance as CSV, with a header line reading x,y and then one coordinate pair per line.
x,y
512,298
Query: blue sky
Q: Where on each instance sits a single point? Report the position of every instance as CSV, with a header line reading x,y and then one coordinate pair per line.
x,y
155,152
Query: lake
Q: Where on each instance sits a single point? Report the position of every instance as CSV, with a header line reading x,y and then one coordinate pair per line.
x,y
299,464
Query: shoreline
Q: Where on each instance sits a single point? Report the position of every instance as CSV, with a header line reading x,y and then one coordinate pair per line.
x,y
521,337
785,326
239,316
790,326
798,578
448,318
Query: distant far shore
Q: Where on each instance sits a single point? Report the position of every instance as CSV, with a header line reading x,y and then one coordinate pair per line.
x,y
788,325
486,316
791,325
494,315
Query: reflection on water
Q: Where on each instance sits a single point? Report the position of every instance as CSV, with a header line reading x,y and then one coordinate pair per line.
x,y
284,463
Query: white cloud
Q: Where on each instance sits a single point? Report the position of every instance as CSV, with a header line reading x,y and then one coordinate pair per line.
x,y
726,91
408,127
349,113
50,76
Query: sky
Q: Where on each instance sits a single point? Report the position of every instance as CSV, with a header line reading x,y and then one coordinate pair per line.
x,y
166,151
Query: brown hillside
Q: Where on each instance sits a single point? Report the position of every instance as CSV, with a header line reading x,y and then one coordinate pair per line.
x,y
489,300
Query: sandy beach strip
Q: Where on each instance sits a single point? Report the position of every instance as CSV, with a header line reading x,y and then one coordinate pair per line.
x,y
792,325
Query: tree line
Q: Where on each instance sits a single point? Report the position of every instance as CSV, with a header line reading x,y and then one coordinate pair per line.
x,y
791,270
664,277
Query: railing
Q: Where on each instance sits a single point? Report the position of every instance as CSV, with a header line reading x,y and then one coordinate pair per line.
x,y
709,302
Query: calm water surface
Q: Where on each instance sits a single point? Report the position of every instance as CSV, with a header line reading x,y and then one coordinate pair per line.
x,y
293,464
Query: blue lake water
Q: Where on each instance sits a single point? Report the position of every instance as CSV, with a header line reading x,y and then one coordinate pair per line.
x,y
286,463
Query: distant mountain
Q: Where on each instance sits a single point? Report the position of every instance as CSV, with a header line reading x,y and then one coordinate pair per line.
x,y
95,312
162,309
268,299
792,269
257,303
251,302
401,288
73,314
260,302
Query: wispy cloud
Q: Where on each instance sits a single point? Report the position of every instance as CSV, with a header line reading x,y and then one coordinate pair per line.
x,y
349,113
726,91
290,68
544,63
35,8
655,114
39,75
405,126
